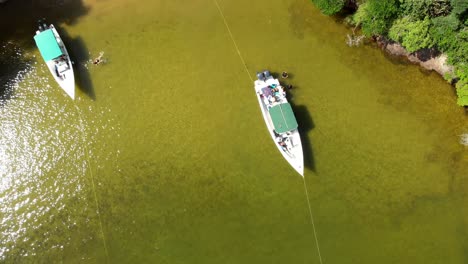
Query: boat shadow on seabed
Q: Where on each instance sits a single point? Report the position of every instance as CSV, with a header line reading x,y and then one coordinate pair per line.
x,y
18,24
306,124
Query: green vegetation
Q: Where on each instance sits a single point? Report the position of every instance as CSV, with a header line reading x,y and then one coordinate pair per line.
x,y
413,35
462,85
375,16
416,24
329,7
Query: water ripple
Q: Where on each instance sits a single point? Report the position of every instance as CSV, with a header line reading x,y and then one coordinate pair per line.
x,y
44,179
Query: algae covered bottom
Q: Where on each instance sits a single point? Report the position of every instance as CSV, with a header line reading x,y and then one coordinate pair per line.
x,y
165,161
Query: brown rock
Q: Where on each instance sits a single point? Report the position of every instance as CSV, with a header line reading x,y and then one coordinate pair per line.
x,y
430,59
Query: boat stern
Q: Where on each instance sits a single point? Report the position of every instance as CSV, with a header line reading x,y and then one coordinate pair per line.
x,y
68,85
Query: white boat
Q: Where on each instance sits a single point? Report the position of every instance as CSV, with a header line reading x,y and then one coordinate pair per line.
x,y
280,119
56,57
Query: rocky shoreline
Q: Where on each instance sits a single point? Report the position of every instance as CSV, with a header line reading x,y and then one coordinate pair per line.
x,y
429,59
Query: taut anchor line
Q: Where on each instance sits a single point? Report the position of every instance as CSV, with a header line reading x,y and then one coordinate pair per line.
x,y
250,76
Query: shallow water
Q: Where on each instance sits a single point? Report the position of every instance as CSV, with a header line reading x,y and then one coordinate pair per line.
x,y
164,157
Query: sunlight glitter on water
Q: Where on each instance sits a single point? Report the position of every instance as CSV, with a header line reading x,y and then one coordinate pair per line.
x,y
46,162
33,148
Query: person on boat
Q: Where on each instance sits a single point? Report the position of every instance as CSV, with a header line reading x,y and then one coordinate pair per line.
x,y
284,75
56,71
282,143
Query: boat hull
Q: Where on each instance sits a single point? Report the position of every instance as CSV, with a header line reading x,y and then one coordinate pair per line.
x,y
294,155
67,79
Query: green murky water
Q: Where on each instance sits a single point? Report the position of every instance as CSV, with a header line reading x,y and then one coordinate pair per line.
x,y
164,157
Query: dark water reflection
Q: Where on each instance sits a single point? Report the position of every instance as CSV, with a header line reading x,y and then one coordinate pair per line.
x,y
12,62
18,18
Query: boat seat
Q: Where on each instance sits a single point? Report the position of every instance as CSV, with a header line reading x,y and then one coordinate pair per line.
x,y
61,67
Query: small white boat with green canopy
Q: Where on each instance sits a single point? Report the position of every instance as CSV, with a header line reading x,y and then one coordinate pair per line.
x,y
55,55
280,120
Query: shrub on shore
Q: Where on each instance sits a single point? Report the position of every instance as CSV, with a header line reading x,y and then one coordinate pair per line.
x,y
376,16
413,35
329,7
416,24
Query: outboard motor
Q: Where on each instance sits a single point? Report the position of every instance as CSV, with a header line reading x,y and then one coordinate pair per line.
x,y
42,24
260,76
266,73
39,24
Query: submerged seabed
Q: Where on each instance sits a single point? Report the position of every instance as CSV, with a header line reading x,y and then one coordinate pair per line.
x,y
164,156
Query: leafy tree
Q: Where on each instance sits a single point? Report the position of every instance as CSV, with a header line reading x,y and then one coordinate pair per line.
x,y
462,73
462,84
462,93
439,8
443,32
459,7
419,9
415,9
329,7
376,16
458,54
413,35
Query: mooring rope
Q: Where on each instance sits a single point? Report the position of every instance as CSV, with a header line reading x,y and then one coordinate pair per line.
x,y
233,40
93,186
312,221
250,76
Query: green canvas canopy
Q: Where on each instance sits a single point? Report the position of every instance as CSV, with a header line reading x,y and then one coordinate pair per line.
x,y
283,118
47,45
